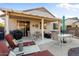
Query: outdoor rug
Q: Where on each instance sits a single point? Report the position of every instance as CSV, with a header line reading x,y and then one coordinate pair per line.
x,y
40,53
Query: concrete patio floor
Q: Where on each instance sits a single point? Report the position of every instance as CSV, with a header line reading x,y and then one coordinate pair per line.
x,y
59,49
56,48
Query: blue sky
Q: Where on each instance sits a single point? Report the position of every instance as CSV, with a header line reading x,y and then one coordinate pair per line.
x,y
58,9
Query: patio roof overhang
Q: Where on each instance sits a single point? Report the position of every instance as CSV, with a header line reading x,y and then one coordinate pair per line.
x,y
26,15
21,14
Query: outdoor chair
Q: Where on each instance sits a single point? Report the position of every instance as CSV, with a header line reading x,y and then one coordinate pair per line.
x,y
37,35
73,51
12,44
4,50
54,35
47,35
30,36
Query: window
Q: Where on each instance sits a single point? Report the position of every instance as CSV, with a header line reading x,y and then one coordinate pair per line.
x,y
55,26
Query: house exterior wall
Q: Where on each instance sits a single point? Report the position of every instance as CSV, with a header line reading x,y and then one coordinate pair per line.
x,y
13,25
77,24
70,21
32,25
49,25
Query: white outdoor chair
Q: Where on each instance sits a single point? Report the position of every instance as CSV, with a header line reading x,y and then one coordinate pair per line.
x,y
30,35
36,36
55,37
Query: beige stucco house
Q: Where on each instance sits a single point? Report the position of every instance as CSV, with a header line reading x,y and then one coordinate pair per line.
x,y
72,22
38,19
76,23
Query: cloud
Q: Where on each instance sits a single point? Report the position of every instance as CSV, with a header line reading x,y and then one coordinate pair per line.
x,y
70,7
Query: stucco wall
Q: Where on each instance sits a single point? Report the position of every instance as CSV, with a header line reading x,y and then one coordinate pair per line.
x,y
13,25
49,26
70,21
77,24
32,25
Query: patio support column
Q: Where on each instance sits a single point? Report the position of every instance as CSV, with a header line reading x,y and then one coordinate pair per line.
x,y
7,23
18,24
42,28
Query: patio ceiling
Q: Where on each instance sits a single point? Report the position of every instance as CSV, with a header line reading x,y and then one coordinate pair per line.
x,y
22,14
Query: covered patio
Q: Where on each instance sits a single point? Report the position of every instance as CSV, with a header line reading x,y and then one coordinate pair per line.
x,y
43,46
36,46
17,16
19,19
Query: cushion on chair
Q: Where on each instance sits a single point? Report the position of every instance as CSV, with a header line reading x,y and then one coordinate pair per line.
x,y
9,39
27,43
4,51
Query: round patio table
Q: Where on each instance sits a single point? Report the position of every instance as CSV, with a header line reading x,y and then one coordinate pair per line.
x,y
63,37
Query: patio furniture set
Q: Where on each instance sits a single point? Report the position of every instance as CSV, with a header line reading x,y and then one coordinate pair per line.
x,y
55,35
37,35
5,51
29,48
20,48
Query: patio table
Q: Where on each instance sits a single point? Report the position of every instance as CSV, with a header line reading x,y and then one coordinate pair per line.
x,y
63,37
26,50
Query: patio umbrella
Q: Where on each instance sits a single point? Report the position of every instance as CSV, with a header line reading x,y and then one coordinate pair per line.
x,y
63,25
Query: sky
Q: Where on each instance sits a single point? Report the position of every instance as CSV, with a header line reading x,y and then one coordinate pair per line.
x,y
57,9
